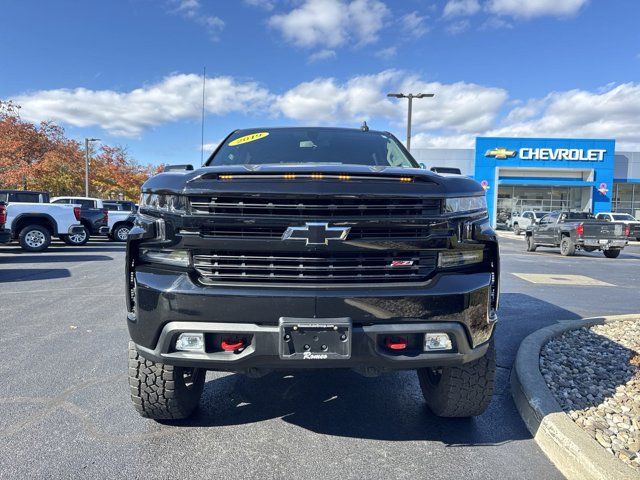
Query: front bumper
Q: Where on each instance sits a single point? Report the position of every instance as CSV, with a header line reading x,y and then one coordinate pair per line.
x,y
168,303
368,354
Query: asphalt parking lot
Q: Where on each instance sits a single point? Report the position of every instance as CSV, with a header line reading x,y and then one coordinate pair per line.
x,y
66,412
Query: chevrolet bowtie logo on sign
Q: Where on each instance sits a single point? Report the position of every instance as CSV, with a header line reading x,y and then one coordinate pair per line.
x,y
316,233
501,153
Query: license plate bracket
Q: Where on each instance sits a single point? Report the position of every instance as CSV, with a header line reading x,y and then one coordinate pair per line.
x,y
315,338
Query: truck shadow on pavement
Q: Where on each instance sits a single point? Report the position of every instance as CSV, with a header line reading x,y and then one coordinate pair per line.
x,y
48,258
389,407
31,274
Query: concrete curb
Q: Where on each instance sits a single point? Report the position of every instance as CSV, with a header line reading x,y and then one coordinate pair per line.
x,y
572,450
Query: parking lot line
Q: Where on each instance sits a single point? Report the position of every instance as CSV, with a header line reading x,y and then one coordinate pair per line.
x,y
561,279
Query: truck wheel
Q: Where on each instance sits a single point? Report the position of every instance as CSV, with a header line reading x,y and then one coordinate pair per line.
x,y
460,391
34,238
611,253
516,229
567,247
531,247
121,233
76,239
163,392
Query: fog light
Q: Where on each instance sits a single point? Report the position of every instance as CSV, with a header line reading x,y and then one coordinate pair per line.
x,y
190,342
458,258
437,341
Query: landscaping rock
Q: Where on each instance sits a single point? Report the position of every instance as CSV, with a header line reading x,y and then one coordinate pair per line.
x,y
594,373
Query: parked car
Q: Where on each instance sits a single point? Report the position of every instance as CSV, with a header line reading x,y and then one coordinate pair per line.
x,y
573,231
309,259
93,216
634,225
121,219
33,224
519,222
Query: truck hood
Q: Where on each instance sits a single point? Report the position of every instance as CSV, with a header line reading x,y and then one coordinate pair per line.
x,y
212,178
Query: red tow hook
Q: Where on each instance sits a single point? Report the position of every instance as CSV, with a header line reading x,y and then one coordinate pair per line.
x,y
228,346
396,343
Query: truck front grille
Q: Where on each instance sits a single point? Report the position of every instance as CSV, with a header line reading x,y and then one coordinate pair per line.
x,y
356,233
314,207
315,267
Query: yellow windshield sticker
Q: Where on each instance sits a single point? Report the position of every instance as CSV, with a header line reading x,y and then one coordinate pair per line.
x,y
248,138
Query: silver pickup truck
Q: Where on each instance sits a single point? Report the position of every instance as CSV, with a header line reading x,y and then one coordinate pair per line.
x,y
573,231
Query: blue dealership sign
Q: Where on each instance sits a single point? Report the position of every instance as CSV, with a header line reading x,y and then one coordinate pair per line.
x,y
590,159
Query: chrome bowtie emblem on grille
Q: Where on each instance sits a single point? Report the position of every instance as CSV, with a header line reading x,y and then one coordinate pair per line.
x,y
316,233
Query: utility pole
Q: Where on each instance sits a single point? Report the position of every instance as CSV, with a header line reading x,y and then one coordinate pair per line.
x,y
87,141
410,97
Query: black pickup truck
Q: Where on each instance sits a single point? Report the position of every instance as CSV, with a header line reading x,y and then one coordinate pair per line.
x,y
573,231
311,248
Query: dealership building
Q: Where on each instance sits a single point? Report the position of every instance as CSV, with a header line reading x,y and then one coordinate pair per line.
x,y
546,174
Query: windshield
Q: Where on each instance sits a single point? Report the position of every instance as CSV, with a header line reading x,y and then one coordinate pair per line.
x,y
622,216
308,146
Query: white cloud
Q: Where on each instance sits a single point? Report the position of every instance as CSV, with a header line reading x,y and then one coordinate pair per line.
x,y
192,10
612,113
332,23
458,27
176,97
413,25
457,8
387,53
264,4
536,8
460,107
209,147
325,54
453,118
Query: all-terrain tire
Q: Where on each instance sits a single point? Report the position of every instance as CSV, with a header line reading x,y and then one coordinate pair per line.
x,y
612,253
461,390
163,392
531,247
34,238
567,247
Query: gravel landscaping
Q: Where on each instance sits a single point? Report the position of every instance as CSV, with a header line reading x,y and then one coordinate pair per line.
x,y
594,373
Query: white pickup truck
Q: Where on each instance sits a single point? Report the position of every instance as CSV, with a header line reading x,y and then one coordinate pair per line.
x,y
118,225
33,224
520,222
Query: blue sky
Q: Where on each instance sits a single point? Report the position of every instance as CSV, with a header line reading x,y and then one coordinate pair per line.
x,y
127,71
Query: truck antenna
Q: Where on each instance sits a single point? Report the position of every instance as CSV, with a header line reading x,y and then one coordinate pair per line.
x,y
204,79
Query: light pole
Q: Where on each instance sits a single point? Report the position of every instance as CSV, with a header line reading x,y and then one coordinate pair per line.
x,y
410,96
86,163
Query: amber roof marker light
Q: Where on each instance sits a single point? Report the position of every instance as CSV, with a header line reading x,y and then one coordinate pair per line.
x,y
410,96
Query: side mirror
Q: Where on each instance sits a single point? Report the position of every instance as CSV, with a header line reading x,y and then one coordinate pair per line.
x,y
178,168
423,166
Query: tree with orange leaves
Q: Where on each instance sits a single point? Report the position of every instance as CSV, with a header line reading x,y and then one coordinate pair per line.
x,y
40,157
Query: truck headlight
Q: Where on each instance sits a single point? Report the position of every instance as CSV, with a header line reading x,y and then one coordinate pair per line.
x,y
476,204
178,258
161,202
458,258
